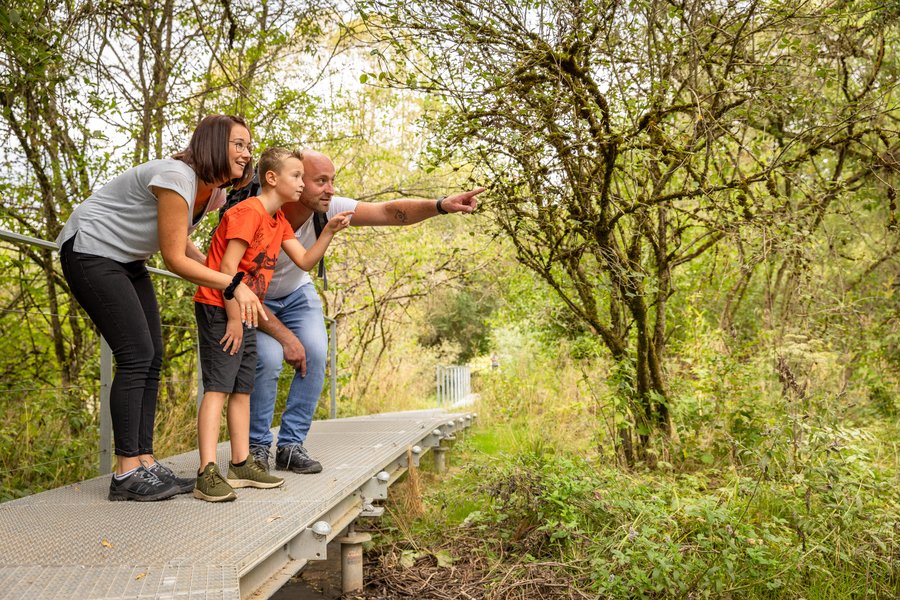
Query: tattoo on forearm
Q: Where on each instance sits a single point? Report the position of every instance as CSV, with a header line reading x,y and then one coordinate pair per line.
x,y
401,215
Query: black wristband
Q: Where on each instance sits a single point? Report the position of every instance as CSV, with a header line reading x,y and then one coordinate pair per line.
x,y
440,209
228,293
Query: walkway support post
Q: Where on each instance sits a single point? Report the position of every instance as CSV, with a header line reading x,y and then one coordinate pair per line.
x,y
352,559
440,459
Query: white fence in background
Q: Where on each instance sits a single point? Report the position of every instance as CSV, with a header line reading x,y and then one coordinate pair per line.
x,y
454,385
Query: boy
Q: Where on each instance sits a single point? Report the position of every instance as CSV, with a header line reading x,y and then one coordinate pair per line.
x,y
246,245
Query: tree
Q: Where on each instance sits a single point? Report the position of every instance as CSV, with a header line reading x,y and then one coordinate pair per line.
x,y
623,140
88,89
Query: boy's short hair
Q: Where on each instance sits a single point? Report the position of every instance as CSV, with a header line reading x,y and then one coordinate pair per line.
x,y
273,158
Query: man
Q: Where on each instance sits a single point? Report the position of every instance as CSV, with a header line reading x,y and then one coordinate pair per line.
x,y
295,331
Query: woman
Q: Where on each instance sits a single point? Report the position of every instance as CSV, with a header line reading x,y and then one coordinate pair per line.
x,y
103,250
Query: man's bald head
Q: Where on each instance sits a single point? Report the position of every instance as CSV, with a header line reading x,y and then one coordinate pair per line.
x,y
318,179
313,158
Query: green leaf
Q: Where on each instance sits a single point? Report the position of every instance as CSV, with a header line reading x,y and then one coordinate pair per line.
x,y
444,560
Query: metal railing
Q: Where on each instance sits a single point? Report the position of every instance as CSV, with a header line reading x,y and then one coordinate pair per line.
x,y
453,383
106,360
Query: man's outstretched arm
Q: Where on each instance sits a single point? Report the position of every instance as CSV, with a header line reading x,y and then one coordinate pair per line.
x,y
406,211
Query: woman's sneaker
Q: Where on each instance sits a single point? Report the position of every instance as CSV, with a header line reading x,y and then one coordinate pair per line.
x,y
165,474
212,487
141,486
294,457
251,474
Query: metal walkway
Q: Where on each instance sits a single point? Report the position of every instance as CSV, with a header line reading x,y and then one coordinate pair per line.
x,y
73,543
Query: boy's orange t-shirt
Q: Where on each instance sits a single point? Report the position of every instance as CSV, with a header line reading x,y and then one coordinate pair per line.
x,y
247,221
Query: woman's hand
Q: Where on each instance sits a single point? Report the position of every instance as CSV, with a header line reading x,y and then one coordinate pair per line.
x,y
251,307
338,222
234,336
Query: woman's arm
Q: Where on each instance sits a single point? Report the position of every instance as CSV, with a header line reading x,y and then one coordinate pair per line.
x,y
173,225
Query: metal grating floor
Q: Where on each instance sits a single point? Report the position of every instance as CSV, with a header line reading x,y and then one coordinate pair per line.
x,y
72,542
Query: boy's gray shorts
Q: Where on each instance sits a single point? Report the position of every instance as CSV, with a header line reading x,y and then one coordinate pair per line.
x,y
223,372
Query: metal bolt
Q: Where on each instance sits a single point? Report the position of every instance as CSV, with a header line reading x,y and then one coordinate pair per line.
x,y
417,450
383,477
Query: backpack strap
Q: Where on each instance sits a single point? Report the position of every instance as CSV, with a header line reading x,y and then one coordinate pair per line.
x,y
239,195
319,222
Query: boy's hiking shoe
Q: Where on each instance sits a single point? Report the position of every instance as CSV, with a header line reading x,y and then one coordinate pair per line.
x,y
294,457
261,455
141,486
251,474
167,475
212,487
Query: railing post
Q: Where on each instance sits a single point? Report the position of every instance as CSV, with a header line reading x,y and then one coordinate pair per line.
x,y
452,385
448,385
332,357
106,375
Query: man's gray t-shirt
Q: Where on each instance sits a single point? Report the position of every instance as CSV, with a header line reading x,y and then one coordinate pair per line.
x,y
120,220
288,277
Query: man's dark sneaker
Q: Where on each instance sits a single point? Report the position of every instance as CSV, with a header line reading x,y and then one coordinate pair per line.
x,y
251,474
261,455
141,486
212,487
294,457
165,474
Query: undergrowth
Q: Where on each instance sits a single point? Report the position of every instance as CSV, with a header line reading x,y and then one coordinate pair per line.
x,y
775,487
613,534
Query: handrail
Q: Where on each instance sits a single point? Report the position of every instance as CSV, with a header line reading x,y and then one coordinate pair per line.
x,y
10,236
27,239
106,363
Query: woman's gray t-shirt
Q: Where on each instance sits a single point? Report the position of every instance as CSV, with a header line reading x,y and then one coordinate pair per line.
x,y
120,220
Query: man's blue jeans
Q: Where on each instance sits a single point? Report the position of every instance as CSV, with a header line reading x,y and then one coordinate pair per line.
x,y
301,312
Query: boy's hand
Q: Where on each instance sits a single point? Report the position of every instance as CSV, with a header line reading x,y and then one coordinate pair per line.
x,y
234,335
339,221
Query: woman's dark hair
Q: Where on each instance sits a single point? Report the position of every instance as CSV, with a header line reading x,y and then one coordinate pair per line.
x,y
207,152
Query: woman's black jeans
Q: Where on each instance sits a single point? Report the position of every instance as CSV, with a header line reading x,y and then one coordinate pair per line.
x,y
120,300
